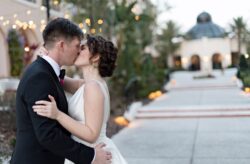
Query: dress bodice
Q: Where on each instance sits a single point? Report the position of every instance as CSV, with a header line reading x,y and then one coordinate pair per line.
x,y
76,109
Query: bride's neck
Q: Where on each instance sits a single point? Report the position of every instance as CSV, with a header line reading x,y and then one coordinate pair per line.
x,y
89,72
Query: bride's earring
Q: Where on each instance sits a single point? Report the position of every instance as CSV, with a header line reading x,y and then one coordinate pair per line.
x,y
95,65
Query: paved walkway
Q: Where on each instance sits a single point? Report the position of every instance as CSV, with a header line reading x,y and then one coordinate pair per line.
x,y
196,122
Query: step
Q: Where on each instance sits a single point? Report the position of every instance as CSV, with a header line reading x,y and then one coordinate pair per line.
x,y
190,87
193,108
193,114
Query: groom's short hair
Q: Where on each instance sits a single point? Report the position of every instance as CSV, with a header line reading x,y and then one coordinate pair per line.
x,y
60,28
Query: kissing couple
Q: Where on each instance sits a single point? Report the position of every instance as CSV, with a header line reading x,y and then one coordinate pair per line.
x,y
52,129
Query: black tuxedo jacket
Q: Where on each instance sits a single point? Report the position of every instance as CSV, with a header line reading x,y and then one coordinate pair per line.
x,y
41,140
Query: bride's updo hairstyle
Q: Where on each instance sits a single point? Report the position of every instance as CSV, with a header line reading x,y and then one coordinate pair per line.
x,y
106,50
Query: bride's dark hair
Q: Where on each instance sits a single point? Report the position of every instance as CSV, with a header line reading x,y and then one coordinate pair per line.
x,y
106,50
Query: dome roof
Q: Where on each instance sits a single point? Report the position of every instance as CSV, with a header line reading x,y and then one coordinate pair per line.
x,y
205,28
204,17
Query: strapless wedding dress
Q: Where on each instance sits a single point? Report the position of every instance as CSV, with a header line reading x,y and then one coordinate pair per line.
x,y
76,111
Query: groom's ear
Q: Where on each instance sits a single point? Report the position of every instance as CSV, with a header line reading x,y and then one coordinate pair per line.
x,y
61,43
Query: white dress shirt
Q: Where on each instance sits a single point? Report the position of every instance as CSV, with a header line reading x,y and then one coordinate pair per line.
x,y
53,64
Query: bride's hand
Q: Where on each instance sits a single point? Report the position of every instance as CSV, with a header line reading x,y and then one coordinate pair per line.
x,y
47,108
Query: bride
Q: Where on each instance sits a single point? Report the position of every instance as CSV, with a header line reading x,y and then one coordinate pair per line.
x,y
89,105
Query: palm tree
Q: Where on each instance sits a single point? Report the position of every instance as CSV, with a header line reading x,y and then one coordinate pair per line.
x,y
166,46
239,26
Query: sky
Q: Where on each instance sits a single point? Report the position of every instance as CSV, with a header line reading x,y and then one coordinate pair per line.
x,y
185,12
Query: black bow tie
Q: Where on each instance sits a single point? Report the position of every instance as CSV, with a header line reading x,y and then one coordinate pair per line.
x,y
62,74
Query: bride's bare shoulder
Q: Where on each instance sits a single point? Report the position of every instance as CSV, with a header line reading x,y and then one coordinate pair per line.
x,y
92,87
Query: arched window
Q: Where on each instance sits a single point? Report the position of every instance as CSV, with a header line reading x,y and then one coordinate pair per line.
x,y
194,63
217,61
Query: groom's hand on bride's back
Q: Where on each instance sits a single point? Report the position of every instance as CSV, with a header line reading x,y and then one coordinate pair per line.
x,y
102,156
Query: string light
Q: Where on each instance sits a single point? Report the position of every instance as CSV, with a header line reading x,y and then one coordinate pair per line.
x,y
92,31
25,26
81,25
31,22
66,16
137,17
42,8
19,23
43,21
84,31
28,12
32,26
88,22
56,2
26,49
7,20
14,26
100,21
42,27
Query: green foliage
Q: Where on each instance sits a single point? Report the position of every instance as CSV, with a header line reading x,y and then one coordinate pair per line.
x,y
92,9
244,70
135,67
13,142
152,79
247,39
243,63
239,27
16,53
166,46
137,72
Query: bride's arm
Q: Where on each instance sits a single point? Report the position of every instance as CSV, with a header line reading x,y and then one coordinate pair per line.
x,y
93,108
71,85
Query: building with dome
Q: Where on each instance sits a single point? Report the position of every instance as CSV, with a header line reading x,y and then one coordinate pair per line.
x,y
205,47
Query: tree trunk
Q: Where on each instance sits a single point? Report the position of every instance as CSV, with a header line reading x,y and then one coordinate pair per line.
x,y
239,46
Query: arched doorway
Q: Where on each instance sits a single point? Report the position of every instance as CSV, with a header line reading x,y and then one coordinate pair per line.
x,y
4,62
30,44
22,44
217,61
195,63
177,62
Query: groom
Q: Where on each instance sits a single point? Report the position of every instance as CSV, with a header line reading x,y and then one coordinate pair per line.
x,y
41,140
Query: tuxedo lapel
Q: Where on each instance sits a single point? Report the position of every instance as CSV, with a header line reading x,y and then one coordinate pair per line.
x,y
62,102
48,67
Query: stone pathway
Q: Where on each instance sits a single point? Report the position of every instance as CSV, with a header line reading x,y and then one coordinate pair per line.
x,y
202,124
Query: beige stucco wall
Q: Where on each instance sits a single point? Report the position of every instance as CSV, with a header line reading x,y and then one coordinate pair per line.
x,y
4,60
20,7
206,48
234,46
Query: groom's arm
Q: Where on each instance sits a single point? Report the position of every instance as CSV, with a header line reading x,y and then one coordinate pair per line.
x,y
47,131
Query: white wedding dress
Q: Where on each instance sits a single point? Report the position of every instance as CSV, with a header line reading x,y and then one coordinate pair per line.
x,y
76,111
